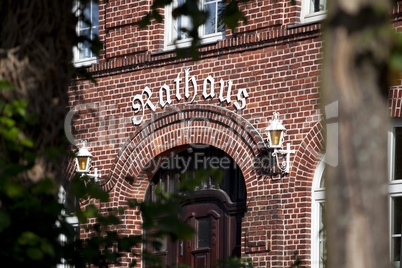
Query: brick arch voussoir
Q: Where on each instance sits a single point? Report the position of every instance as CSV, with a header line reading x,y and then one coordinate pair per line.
x,y
228,143
308,155
198,124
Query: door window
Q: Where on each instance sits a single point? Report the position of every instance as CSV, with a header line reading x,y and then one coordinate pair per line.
x,y
204,232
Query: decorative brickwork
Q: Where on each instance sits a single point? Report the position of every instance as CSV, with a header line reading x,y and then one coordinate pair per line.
x,y
395,102
273,58
186,125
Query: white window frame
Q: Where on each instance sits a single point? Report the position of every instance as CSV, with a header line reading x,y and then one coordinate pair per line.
x,y
84,62
318,197
395,186
307,17
171,43
72,220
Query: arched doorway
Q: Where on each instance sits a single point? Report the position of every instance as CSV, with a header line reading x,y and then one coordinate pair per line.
x,y
215,209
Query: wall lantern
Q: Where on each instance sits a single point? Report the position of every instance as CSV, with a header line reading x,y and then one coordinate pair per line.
x,y
83,161
276,132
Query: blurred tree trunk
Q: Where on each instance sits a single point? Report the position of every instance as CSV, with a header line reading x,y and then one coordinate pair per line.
x,y
36,40
356,55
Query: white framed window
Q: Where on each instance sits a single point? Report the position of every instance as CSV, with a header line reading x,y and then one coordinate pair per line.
x,y
313,10
395,191
69,203
83,55
212,31
318,234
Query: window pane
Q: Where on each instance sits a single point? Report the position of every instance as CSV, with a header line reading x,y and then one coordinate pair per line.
x,y
82,25
94,33
396,228
85,47
204,232
322,182
397,211
221,24
90,14
398,154
87,11
182,22
85,32
317,5
323,238
182,27
323,249
396,248
322,218
210,24
95,15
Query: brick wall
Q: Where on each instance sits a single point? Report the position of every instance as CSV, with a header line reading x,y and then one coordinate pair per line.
x,y
279,66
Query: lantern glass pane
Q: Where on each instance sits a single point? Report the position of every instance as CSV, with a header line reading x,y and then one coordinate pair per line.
x,y
275,137
82,162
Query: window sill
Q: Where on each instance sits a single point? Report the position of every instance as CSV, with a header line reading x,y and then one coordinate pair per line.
x,y
304,24
310,19
206,40
86,62
395,187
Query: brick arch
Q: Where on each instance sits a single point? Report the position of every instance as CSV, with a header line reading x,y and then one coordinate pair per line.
x,y
181,126
309,153
305,161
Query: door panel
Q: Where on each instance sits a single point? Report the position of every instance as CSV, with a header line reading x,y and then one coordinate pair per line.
x,y
207,245
201,260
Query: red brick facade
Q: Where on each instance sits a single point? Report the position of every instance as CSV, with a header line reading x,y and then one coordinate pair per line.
x,y
274,58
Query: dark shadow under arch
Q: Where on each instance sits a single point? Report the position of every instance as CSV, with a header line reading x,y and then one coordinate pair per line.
x,y
220,205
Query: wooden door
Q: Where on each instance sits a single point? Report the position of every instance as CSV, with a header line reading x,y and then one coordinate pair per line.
x,y
215,211
206,247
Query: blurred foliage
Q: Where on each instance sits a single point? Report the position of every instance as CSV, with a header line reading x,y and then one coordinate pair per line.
x,y
35,228
297,262
16,154
31,218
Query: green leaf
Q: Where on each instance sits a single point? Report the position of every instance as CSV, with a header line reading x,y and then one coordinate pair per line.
x,y
28,238
20,106
96,192
45,186
91,211
14,189
27,143
35,253
4,84
5,220
96,45
7,122
145,21
232,15
47,248
396,62
8,110
109,220
157,16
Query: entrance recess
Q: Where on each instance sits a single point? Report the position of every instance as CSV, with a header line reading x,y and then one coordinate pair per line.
x,y
215,210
